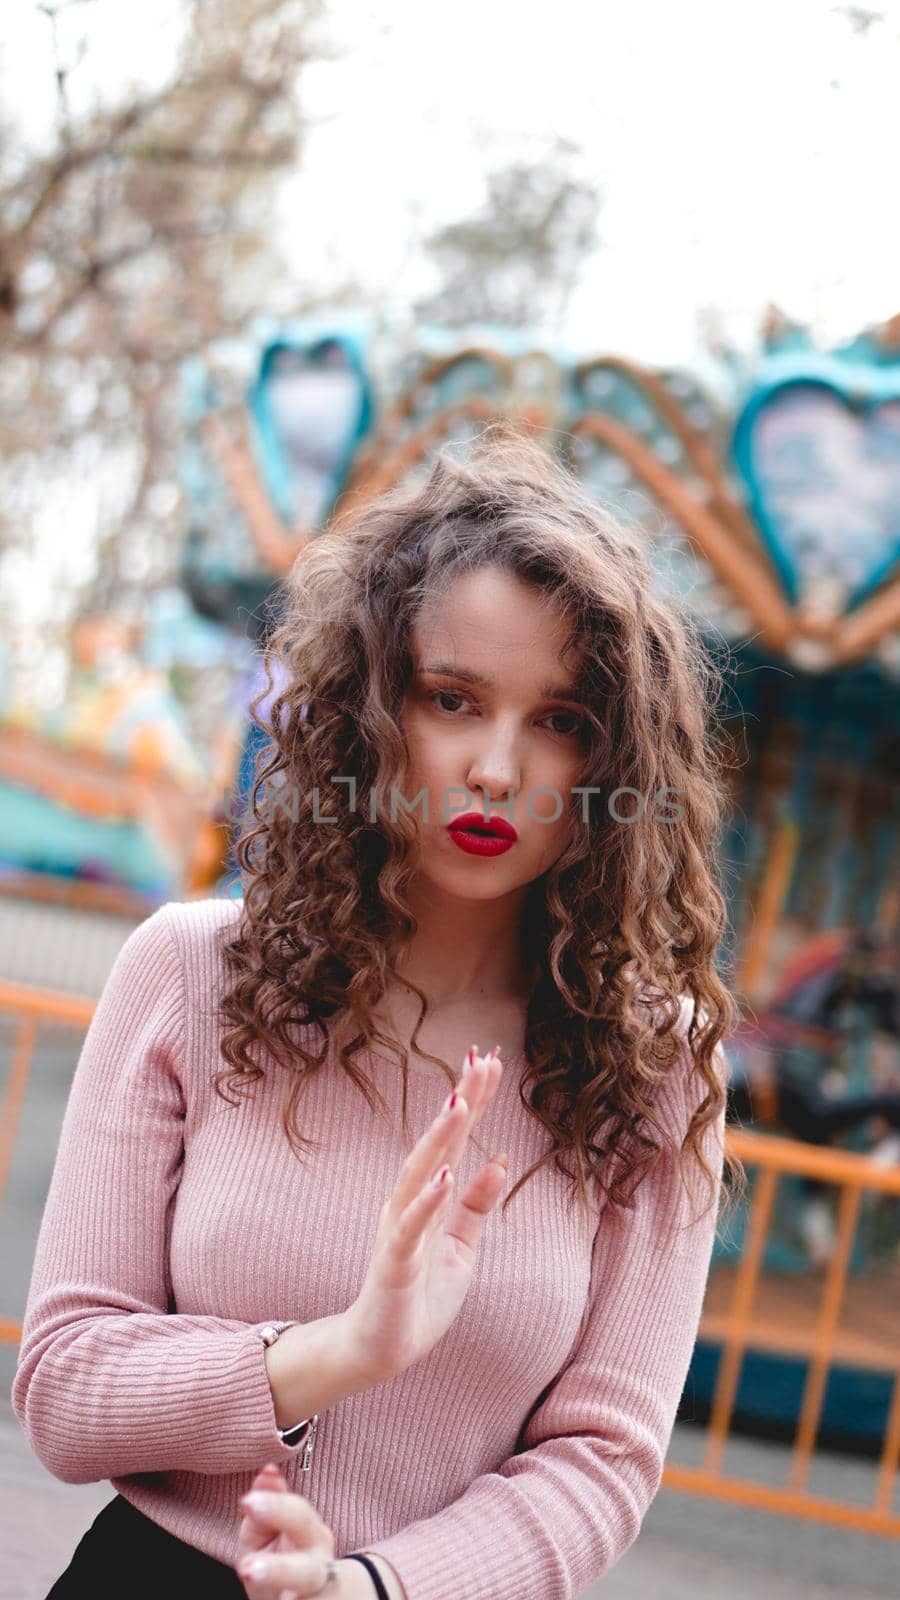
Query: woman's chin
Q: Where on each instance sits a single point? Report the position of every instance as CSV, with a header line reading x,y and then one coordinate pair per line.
x,y
459,876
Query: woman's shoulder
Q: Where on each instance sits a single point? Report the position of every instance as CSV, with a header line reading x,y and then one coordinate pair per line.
x,y
655,1007
684,1084
196,928
200,918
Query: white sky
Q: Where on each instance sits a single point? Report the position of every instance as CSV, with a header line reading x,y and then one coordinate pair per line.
x,y
735,171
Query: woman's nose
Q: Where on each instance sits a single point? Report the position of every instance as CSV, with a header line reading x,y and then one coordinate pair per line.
x,y
497,779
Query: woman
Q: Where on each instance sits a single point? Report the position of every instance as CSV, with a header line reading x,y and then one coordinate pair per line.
x,y
488,812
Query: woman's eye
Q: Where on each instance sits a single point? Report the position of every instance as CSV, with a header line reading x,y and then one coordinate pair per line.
x,y
576,722
444,694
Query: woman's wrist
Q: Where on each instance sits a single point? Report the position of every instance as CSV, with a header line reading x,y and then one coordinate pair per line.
x,y
311,1366
361,1587
394,1587
354,1582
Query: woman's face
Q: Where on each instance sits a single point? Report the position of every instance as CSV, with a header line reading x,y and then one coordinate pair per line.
x,y
492,709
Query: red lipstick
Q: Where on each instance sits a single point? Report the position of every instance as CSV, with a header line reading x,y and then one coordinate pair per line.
x,y
482,836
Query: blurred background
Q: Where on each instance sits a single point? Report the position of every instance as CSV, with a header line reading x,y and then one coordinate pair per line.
x,y
258,260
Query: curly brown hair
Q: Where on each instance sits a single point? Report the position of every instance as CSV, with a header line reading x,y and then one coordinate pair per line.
x,y
616,936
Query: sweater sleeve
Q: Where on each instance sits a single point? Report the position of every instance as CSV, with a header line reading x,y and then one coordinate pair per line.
x,y
109,1382
562,1510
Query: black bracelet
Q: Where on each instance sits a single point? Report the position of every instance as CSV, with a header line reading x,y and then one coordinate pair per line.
x,y
373,1572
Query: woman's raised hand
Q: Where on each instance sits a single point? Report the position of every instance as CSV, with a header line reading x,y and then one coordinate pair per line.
x,y
425,1243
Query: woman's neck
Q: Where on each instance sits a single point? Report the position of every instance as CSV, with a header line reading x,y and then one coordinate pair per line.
x,y
484,1014
464,953
466,958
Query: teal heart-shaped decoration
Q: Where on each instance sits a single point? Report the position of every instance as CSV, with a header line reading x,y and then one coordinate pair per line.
x,y
307,410
818,447
311,405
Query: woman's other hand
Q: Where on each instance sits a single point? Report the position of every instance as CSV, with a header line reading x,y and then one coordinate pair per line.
x,y
284,1530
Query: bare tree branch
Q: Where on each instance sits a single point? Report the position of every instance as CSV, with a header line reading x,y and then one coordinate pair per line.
x,y
143,235
276,155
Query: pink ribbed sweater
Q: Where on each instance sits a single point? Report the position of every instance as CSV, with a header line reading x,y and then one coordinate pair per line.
x,y
517,1459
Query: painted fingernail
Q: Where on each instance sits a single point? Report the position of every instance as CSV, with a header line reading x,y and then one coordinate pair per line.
x,y
450,1102
439,1177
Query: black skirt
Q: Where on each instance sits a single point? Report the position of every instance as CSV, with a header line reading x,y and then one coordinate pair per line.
x,y
126,1553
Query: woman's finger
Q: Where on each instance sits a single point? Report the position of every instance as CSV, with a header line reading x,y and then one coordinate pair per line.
x,y
445,1140
469,1214
299,1572
271,1479
256,1537
291,1514
415,1226
420,1218
254,1533
284,1519
446,1137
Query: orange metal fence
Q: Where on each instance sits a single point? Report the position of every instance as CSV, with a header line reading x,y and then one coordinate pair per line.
x,y
738,1323
819,1338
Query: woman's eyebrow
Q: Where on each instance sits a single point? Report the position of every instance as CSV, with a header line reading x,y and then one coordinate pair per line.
x,y
547,691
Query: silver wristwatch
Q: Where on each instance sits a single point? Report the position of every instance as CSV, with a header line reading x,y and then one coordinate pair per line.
x,y
305,1430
